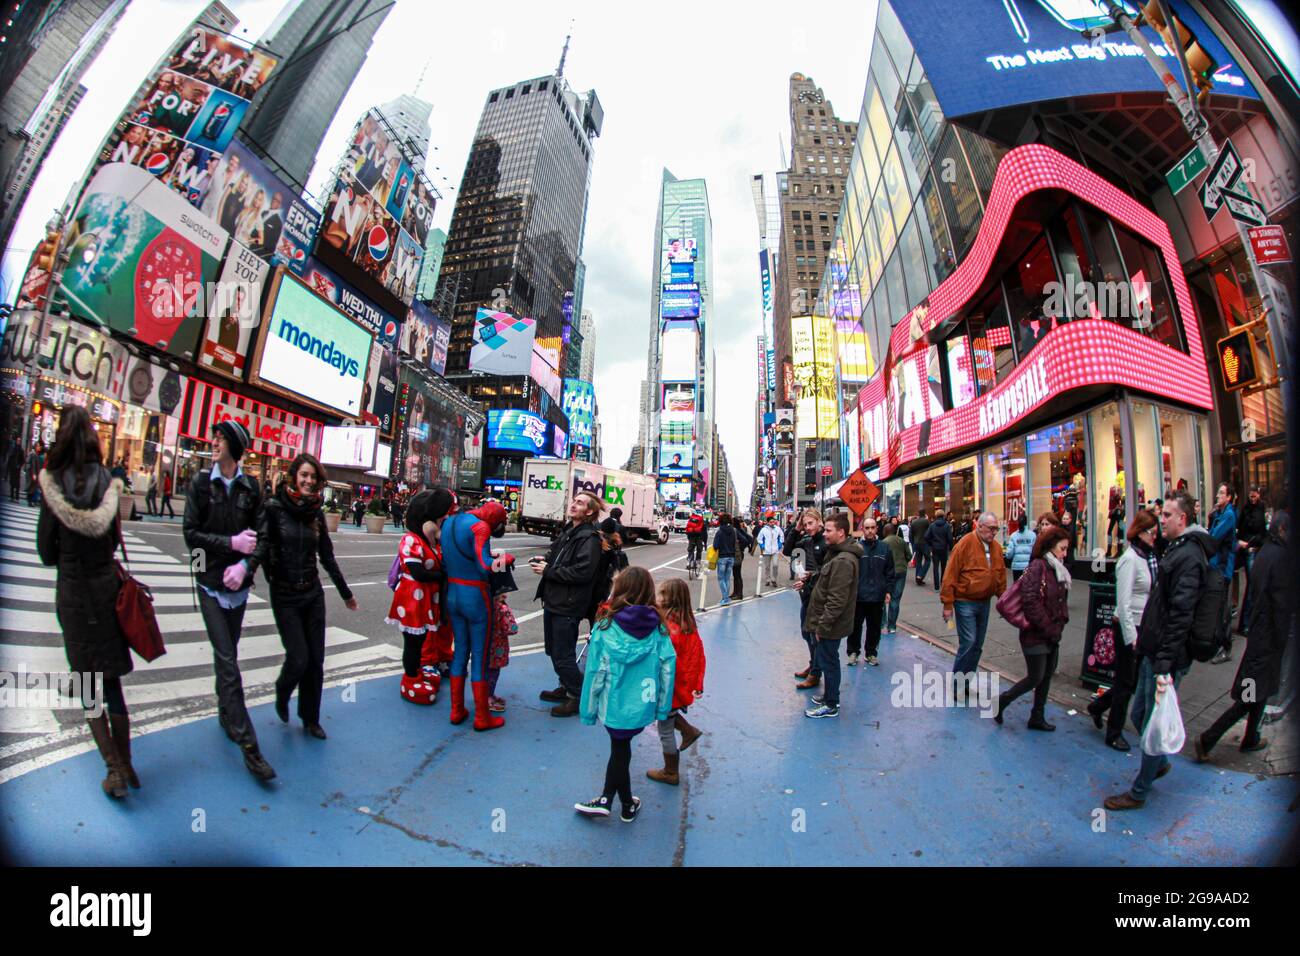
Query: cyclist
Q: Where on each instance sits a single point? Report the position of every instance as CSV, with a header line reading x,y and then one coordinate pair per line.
x,y
695,535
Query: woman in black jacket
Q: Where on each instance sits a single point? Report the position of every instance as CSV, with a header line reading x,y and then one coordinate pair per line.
x,y
293,527
78,531
744,541
1272,596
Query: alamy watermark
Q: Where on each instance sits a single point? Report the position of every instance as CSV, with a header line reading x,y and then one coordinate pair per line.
x,y
1121,300
919,687
180,297
41,690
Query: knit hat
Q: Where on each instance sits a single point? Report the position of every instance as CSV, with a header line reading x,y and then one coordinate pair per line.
x,y
236,436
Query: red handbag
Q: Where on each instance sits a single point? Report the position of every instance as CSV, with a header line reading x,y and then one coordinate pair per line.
x,y
1011,606
135,615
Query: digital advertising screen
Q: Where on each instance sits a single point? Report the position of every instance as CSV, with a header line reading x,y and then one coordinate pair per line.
x,y
678,353
544,367
503,344
383,461
513,429
579,404
559,442
681,271
679,304
311,350
682,250
675,459
349,446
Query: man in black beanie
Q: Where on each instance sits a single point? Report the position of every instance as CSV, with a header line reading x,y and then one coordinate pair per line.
x,y
221,511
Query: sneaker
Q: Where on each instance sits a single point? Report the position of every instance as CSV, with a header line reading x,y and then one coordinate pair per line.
x,y
853,662
629,811
819,698
871,659
1222,657
599,807
825,710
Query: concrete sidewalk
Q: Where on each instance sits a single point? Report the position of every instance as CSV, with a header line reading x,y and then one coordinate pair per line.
x,y
1203,694
396,784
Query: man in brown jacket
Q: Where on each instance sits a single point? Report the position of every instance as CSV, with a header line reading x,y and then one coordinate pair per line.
x,y
976,573
830,610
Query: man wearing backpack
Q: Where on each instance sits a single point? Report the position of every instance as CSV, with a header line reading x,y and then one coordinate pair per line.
x,y
1178,625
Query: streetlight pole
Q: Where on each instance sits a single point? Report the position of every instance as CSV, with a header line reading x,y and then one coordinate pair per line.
x,y
1199,130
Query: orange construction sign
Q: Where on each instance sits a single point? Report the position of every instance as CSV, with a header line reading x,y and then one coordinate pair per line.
x,y
858,493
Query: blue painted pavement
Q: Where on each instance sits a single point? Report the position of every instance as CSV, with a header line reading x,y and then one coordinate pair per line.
x,y
396,784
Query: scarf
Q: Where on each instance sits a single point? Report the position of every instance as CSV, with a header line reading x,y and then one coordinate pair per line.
x,y
1062,575
297,502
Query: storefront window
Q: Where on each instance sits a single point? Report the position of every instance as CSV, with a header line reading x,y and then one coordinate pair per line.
x,y
1148,484
1027,291
1109,481
1180,461
1004,484
1057,468
949,487
990,337
1150,303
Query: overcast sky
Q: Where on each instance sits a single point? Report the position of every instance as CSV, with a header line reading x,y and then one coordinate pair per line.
x,y
698,88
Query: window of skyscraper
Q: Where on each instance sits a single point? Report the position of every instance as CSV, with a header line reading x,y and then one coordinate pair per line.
x,y
957,191
895,37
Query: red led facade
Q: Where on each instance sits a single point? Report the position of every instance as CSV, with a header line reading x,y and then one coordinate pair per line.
x,y
1076,354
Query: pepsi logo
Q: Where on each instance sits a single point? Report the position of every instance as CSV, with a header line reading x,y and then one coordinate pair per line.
x,y
378,241
390,329
300,254
158,163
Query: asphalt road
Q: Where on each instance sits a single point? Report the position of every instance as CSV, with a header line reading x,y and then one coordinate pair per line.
x,y
178,687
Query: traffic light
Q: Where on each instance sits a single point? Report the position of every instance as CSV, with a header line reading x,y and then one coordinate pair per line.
x,y
37,408
1238,360
1200,63
46,251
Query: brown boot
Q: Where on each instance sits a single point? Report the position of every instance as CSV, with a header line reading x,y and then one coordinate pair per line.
x,y
810,683
689,733
669,773
120,724
115,783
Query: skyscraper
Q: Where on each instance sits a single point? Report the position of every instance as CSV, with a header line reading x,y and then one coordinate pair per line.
x,y
409,117
47,49
516,233
681,304
587,326
432,265
321,46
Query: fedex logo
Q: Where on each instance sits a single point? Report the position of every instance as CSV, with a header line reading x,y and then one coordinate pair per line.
x,y
549,483
610,494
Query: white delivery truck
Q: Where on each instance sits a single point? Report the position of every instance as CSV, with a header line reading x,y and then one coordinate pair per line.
x,y
550,483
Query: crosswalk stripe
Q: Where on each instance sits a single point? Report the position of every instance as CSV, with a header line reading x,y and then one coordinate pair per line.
x,y
137,696
44,622
53,660
174,576
38,595
19,540
30,557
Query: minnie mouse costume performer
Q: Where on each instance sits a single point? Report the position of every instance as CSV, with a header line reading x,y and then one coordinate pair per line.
x,y
468,560
416,607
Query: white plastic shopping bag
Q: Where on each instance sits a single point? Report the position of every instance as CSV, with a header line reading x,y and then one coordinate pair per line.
x,y
1165,733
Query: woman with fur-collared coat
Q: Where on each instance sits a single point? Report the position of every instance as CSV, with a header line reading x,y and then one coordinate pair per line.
x,y
77,531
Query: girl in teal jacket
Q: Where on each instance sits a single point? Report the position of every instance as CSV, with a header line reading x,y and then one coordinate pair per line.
x,y
631,666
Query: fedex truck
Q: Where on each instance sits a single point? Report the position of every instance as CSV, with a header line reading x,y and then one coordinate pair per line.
x,y
549,484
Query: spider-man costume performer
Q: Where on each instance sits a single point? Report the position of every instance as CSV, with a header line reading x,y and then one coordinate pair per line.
x,y
467,557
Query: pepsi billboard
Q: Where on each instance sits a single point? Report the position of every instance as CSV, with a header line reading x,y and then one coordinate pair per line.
x,y
1027,51
513,429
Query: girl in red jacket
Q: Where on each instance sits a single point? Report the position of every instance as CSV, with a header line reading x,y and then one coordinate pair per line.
x,y
674,600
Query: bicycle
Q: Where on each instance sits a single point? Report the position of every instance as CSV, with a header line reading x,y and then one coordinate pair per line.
x,y
693,551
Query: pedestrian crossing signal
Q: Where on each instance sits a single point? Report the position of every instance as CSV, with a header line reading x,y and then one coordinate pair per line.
x,y
1238,360
1199,63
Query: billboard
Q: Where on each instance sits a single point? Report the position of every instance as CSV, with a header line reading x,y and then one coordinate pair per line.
x,y
432,435
812,347
370,214
140,259
345,296
383,462
425,337
379,397
682,250
311,350
675,459
1027,51
248,201
679,304
681,271
276,432
579,404
235,313
503,344
513,429
559,442
544,368
184,115
783,432
349,446
678,353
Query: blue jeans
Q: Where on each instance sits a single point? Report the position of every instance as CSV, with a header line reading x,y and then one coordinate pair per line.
x,y
972,625
725,573
1144,704
828,659
895,600
922,564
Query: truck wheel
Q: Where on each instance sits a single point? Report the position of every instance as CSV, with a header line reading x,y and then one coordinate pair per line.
x,y
663,535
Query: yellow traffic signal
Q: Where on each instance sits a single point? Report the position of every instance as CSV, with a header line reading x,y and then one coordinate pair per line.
x,y
1200,63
